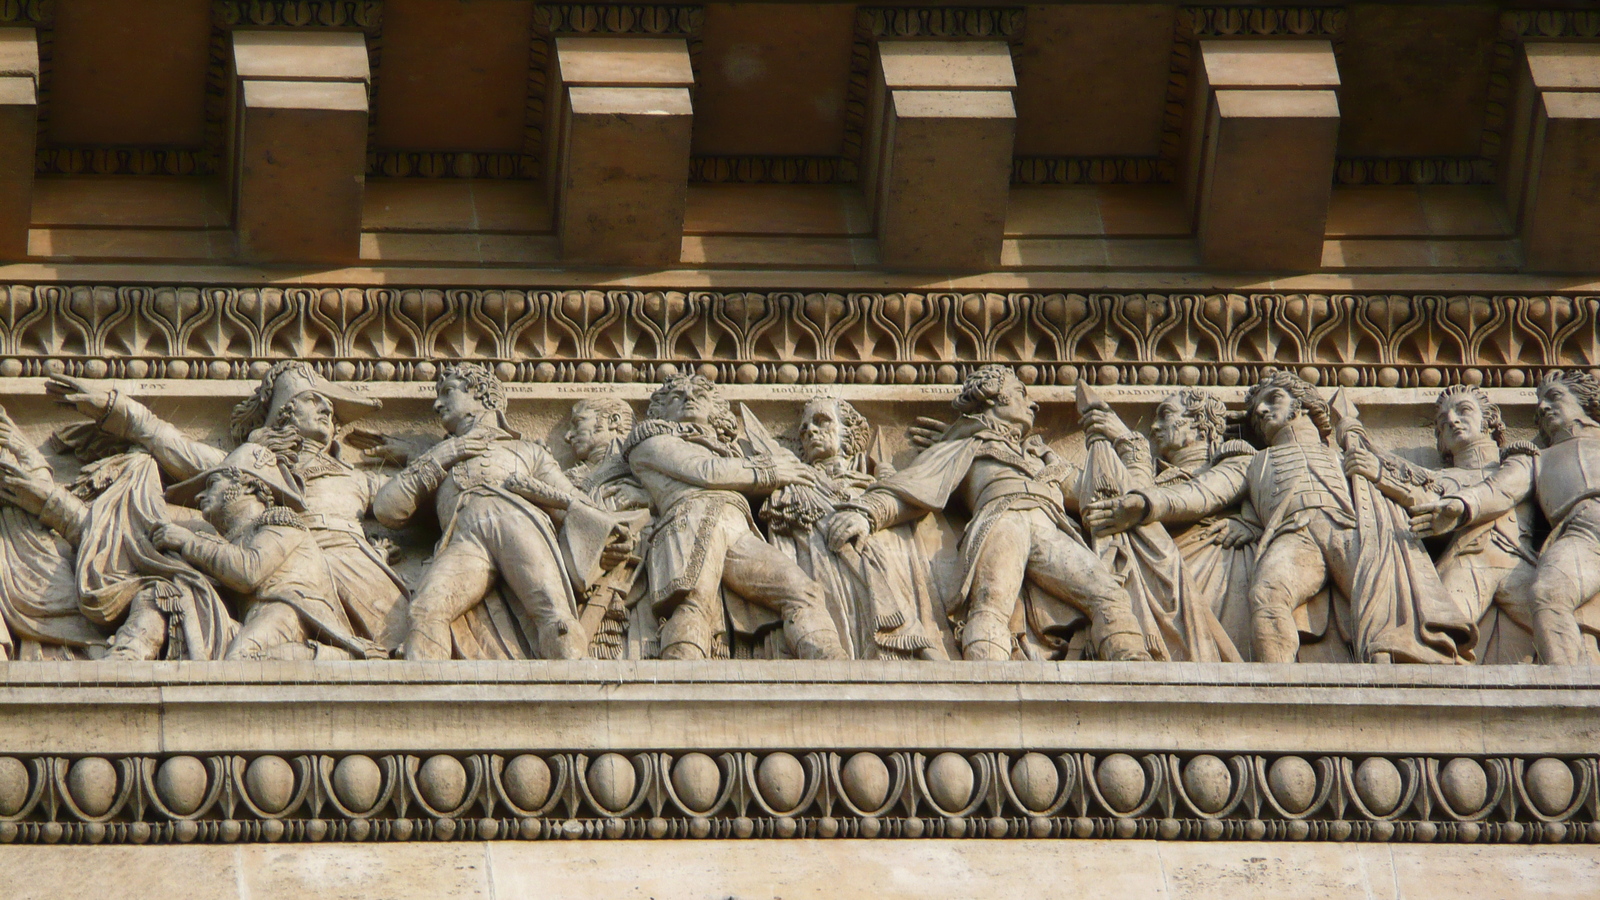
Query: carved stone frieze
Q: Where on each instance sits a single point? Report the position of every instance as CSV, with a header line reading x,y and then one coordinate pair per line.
x,y
389,334
733,794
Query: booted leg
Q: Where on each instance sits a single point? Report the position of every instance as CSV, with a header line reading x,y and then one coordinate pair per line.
x,y
997,576
760,573
1555,599
266,627
1066,568
456,581
986,637
142,632
1289,572
1568,576
538,582
689,633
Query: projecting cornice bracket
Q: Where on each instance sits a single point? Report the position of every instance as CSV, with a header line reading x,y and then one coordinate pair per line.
x,y
1552,155
617,133
297,150
936,166
1260,145
19,117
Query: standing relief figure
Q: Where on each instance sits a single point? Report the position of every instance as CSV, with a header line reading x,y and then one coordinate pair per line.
x,y
298,412
709,570
1318,529
608,609
495,495
1029,577
267,557
1565,477
1489,564
1198,609
880,594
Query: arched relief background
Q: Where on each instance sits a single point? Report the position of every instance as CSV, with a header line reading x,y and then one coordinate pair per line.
x,y
392,334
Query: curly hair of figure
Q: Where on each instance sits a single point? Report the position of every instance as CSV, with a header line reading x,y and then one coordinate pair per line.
x,y
245,484
1305,395
482,384
722,419
1208,413
1583,386
983,388
615,412
1493,422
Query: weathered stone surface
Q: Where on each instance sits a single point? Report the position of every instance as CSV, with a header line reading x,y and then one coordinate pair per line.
x,y
527,781
357,782
697,781
299,133
782,781
1170,871
181,783
1293,782
270,782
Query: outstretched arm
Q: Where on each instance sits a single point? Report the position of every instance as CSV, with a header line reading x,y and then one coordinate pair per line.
x,y
123,417
1501,492
685,462
1210,492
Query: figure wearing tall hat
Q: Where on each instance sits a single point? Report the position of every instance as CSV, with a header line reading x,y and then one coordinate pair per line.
x,y
267,558
297,412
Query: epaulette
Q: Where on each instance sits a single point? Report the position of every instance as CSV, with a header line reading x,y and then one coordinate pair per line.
x,y
283,517
1231,449
647,429
1518,448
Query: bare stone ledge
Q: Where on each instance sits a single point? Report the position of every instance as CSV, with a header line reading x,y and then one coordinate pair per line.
x,y
583,706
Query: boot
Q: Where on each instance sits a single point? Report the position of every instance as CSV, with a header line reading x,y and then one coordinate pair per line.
x,y
986,637
564,640
1123,648
813,640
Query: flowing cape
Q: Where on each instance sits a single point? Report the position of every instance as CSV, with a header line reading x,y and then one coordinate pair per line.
x,y
39,591
1178,624
1398,604
116,561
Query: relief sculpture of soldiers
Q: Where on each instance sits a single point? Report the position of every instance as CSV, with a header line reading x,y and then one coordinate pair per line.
x,y
1186,526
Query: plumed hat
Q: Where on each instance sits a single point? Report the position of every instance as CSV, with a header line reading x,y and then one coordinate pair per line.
x,y
253,459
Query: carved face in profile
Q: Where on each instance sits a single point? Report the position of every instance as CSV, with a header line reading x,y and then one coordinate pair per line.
x,y
457,407
221,490
311,415
1272,411
1458,423
1174,429
1012,405
588,432
821,431
1560,411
